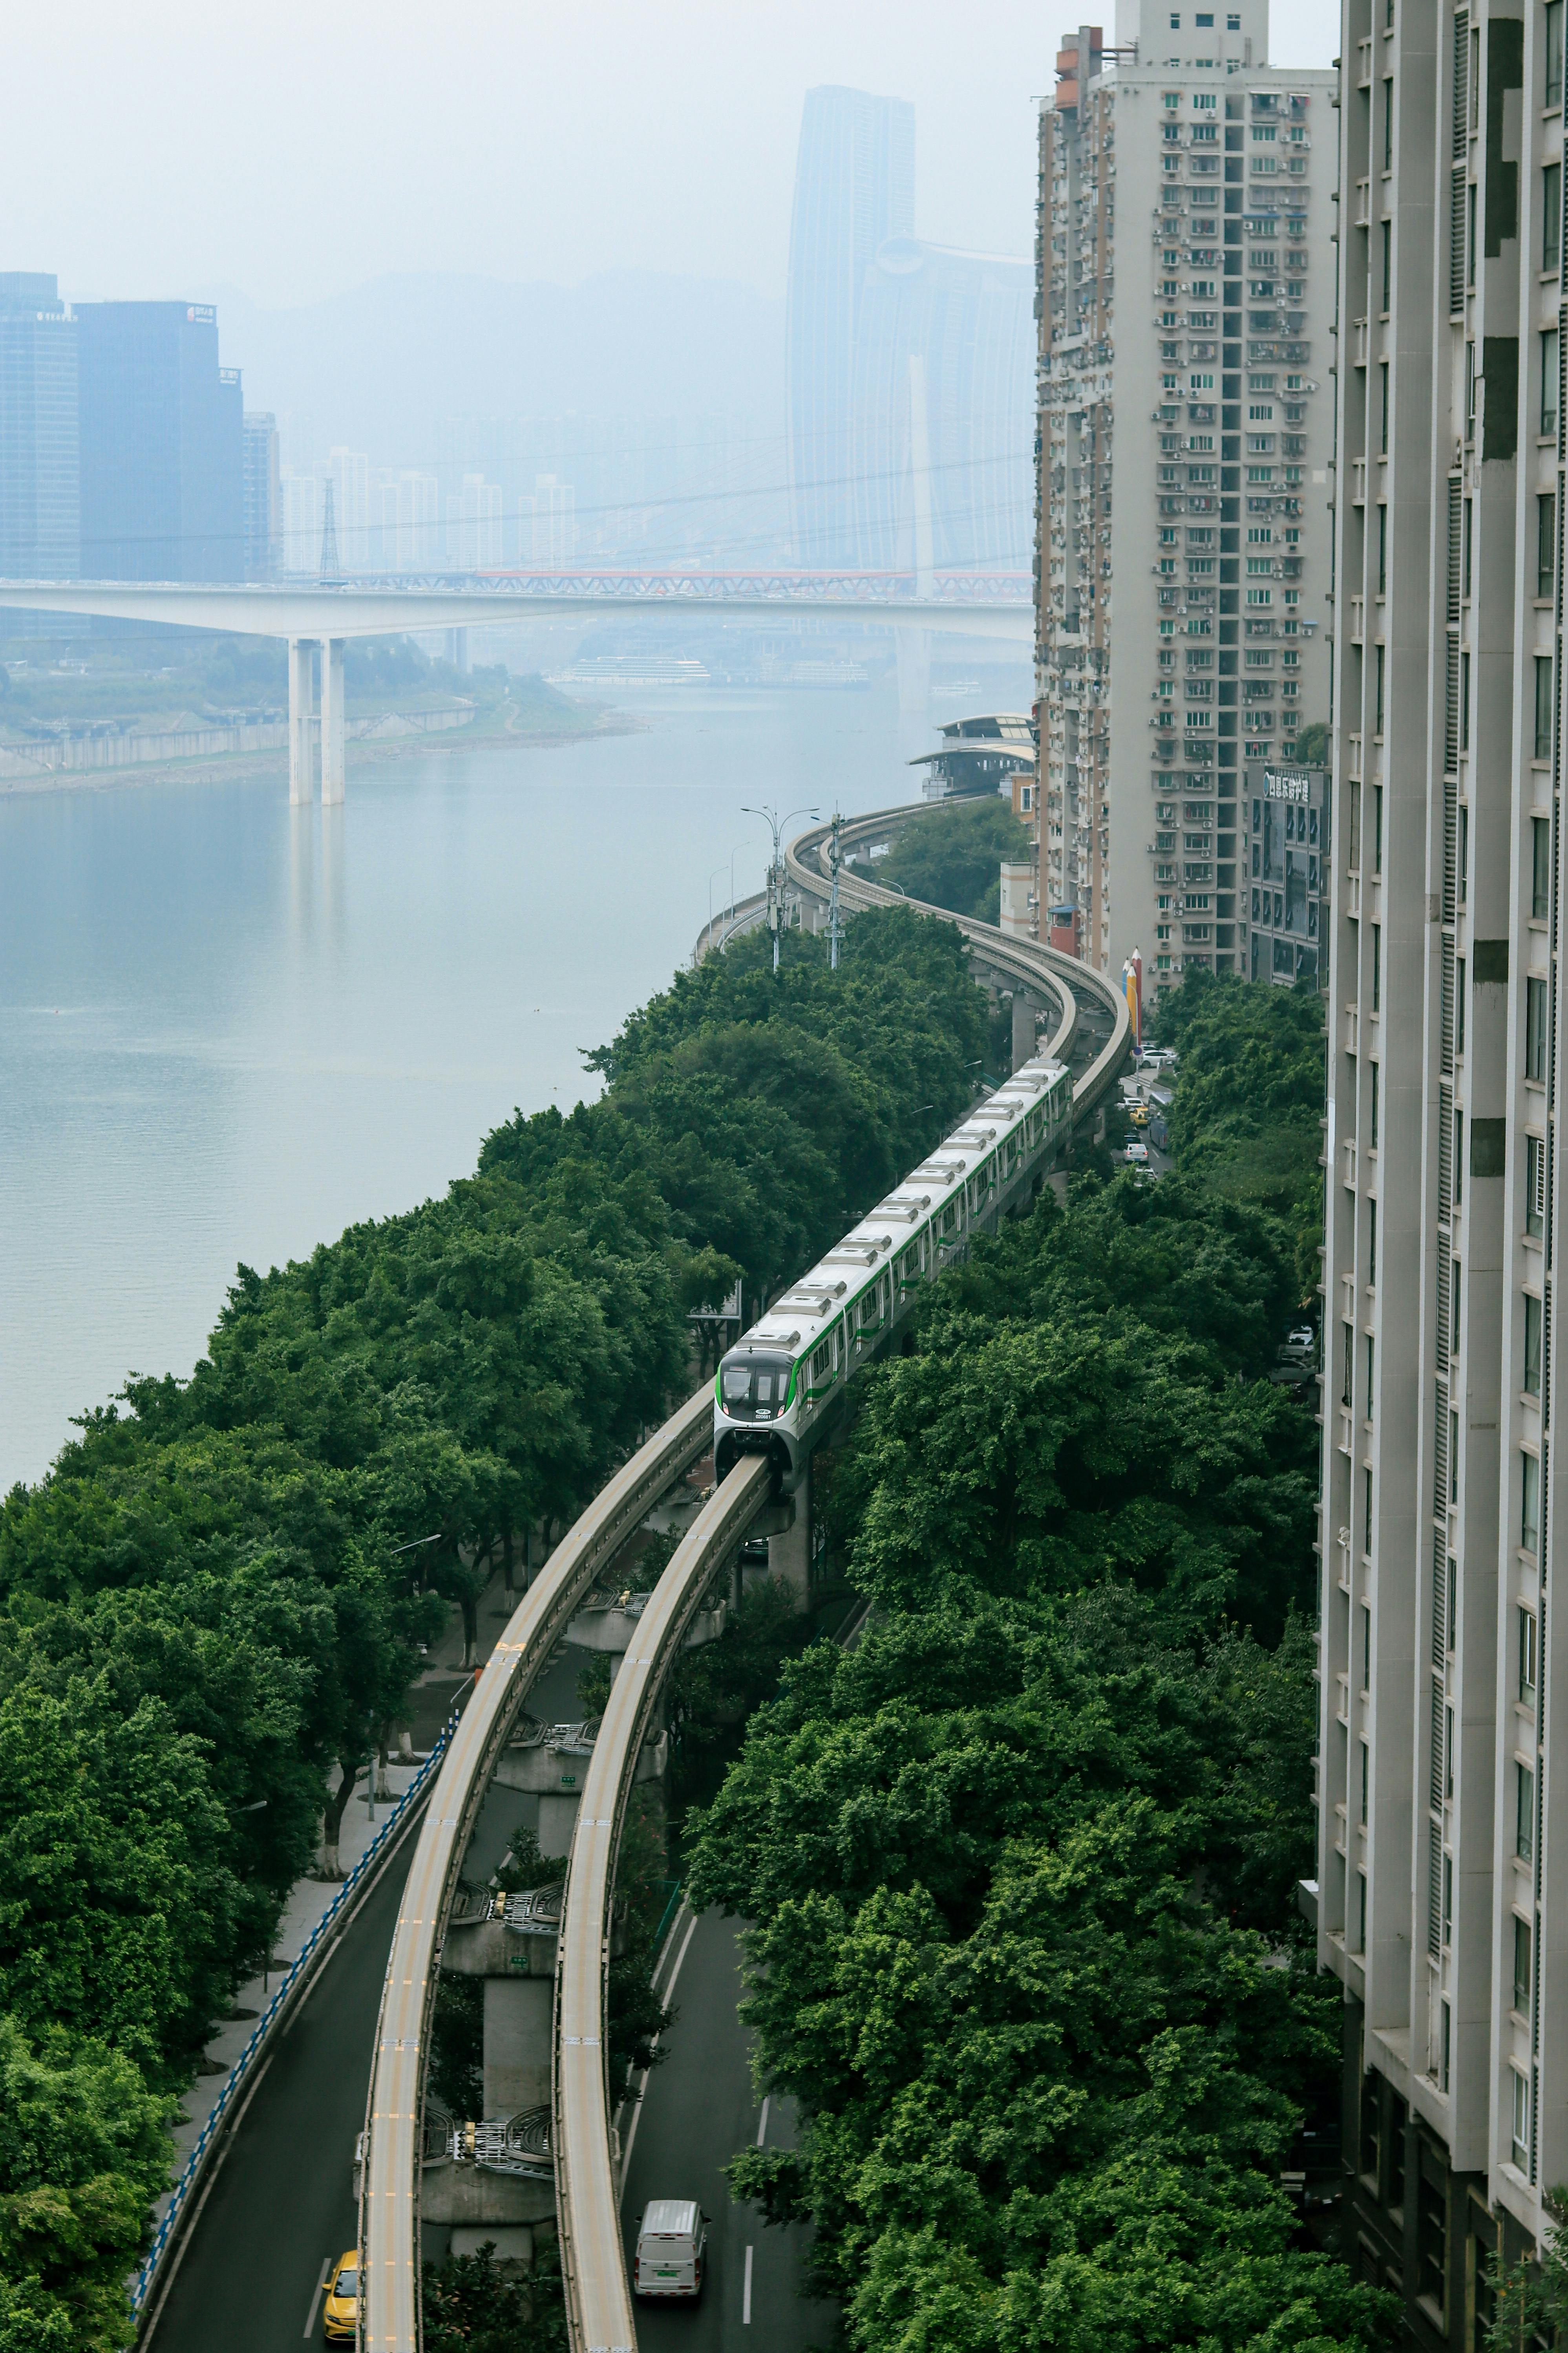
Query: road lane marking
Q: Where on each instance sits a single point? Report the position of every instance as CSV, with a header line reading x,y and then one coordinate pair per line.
x,y
763,2127
746,2293
637,2109
309,2328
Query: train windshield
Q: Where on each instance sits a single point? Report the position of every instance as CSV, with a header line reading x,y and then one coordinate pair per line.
x,y
750,1383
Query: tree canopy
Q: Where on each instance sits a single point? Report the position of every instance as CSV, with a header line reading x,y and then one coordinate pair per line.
x,y
1018,1869
208,1615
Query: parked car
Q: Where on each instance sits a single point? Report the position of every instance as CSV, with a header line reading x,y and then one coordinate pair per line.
x,y
672,2241
1302,1336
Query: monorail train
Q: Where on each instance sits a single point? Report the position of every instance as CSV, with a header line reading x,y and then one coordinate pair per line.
x,y
777,1386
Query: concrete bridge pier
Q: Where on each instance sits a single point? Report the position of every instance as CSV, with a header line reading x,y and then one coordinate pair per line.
x,y
301,723
331,722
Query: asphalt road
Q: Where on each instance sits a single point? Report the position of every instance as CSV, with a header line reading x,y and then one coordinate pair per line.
x,y
698,2110
282,2201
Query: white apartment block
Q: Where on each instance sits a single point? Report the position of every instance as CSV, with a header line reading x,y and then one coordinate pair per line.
x,y
1185,295
1443,1792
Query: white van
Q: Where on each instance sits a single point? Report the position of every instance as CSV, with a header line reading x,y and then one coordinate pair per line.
x,y
672,2241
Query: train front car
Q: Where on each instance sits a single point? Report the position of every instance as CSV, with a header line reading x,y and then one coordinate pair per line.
x,y
756,1408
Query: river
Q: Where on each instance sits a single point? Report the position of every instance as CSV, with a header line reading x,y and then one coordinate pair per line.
x,y
229,1029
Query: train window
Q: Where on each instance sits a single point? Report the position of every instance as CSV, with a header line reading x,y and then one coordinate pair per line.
x,y
822,1364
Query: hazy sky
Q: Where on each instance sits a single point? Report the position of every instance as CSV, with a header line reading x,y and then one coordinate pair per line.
x,y
294,151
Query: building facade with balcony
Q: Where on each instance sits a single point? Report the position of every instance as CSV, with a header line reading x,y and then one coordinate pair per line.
x,y
1186,301
1443,1806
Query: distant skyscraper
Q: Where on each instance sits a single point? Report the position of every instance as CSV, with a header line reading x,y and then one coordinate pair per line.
x,y
301,533
474,526
39,531
853,188
162,466
554,522
943,399
348,471
263,494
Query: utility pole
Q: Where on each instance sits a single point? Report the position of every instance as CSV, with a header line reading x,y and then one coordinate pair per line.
x,y
776,824
833,929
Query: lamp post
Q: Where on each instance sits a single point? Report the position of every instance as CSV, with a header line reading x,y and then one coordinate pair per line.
x,y
776,825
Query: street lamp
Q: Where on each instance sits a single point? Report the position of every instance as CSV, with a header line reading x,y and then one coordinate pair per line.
x,y
776,825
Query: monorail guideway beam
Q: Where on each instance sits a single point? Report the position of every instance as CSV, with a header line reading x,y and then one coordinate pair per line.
x,y
593,2258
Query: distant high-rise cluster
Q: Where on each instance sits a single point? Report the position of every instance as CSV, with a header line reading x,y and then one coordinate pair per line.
x,y
123,450
910,366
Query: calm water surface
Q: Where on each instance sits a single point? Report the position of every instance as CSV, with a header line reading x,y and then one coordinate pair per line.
x,y
227,1028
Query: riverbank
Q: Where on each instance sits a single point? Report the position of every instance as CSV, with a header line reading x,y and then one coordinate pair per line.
x,y
487,730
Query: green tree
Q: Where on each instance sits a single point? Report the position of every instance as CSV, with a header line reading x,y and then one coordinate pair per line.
x,y
952,855
84,2150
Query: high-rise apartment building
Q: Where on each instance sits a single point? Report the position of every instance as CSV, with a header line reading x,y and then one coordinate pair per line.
x,y
263,494
299,533
161,438
474,526
853,188
1185,298
40,535
1443,1860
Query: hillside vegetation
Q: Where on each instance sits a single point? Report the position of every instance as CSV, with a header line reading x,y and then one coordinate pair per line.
x,y
1019,1871
206,1625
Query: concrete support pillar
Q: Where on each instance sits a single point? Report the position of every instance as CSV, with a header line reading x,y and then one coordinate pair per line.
x,y
519,2015
789,1555
301,723
1022,1031
331,722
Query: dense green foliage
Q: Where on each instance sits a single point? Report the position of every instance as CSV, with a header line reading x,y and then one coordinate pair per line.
x,y
472,2305
1019,1867
952,856
208,1621
1247,1121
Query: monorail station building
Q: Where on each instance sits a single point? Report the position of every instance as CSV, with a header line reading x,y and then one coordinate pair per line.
x,y
1186,298
1443,1804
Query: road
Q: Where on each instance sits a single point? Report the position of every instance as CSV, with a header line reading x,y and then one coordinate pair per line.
x,y
283,2200
698,2110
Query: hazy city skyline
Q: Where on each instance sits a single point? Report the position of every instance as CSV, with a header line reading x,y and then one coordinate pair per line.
x,y
337,149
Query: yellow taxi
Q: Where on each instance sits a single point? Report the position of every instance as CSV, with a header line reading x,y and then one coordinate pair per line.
x,y
1139,1115
340,2315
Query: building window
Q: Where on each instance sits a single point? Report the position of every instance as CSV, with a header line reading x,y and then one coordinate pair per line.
x,y
1372,1108
1388,250
1546,545
1518,2151
1382,430
1554,53
1539,868
1544,706
1523,1941
1531,1345
1529,1503
1377,967
1535,1030
1464,703
1529,1636
1549,349
1383,550
1535,1186
1365,1780
1552,216
1448,1930
1388,129
1377,679
1523,1813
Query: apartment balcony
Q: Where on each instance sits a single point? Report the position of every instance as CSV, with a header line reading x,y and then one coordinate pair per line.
x,y
1360,342
1353,1029
1360,210
1352,759
1347,1161
1353,895
1358,618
